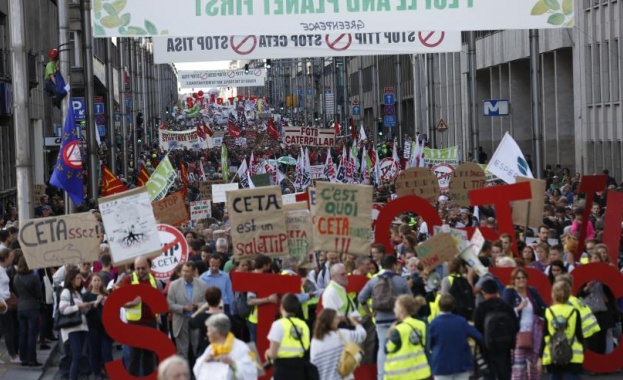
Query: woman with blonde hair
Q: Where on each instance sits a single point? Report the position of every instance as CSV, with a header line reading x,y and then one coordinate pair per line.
x,y
406,342
328,342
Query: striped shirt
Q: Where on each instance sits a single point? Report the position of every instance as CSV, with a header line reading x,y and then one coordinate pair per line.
x,y
325,353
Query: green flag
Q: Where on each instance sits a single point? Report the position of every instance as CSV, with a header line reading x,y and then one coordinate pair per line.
x,y
225,162
161,180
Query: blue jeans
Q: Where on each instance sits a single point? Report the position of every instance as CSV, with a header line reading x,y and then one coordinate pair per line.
x,y
381,333
28,332
252,331
100,349
76,344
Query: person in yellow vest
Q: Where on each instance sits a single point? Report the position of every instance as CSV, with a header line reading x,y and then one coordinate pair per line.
x,y
335,297
289,342
590,326
564,315
405,347
261,265
141,361
290,268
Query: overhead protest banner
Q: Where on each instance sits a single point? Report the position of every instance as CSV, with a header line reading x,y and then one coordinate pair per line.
x,y
305,136
59,240
448,155
130,225
300,233
436,250
222,78
171,210
173,140
342,218
200,210
221,48
417,181
257,222
187,18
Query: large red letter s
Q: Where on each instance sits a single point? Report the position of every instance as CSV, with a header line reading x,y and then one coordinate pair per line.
x,y
134,335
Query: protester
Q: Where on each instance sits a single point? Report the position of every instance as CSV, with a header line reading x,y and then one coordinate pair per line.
x,y
329,341
98,341
213,305
225,354
30,296
174,368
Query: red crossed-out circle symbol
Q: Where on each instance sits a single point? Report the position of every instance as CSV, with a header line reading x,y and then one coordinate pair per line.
x,y
71,155
231,73
257,72
243,45
336,43
431,39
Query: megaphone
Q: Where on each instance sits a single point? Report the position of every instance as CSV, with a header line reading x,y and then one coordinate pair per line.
x,y
473,261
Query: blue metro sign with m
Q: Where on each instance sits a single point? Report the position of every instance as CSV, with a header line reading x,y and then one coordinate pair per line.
x,y
496,107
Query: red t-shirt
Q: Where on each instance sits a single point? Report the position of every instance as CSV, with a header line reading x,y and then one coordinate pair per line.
x,y
147,316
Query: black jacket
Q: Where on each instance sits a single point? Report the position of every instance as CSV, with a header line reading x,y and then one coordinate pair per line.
x,y
491,305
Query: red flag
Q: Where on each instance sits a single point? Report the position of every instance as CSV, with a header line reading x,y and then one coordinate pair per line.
x,y
207,130
200,132
163,126
233,129
110,183
143,176
338,130
353,133
184,175
272,131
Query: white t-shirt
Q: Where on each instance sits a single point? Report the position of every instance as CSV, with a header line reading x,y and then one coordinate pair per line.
x,y
331,300
527,317
276,332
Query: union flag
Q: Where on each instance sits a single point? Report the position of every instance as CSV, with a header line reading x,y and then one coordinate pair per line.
x,y
111,184
143,176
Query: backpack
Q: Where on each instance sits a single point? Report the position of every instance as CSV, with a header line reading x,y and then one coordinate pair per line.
x,y
350,358
384,293
499,331
464,298
241,307
560,347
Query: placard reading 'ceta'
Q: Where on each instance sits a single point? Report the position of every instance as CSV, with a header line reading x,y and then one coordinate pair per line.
x,y
257,222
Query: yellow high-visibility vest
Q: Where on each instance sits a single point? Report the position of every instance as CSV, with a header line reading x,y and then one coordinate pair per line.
x,y
134,313
408,362
304,305
290,346
563,311
590,326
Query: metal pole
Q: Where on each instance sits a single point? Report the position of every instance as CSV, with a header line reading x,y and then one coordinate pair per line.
x,y
335,87
292,90
345,91
110,85
21,120
89,93
375,96
63,55
472,120
324,95
430,73
158,94
145,95
305,84
135,100
399,99
535,87
122,46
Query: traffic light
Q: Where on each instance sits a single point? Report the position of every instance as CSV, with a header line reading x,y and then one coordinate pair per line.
x,y
269,63
380,128
246,68
139,119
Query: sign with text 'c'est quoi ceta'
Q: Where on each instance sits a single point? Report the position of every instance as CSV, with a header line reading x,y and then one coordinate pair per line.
x,y
249,17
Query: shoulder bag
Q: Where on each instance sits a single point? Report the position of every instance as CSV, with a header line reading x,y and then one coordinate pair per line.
x,y
62,321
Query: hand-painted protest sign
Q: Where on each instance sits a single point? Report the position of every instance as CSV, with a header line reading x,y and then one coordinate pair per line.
x,y
205,189
417,181
194,49
343,214
222,78
300,234
443,171
161,180
38,191
435,156
187,18
200,210
257,222
530,212
173,140
309,136
219,191
467,177
171,210
436,250
175,251
59,240
130,225
459,236
389,169
317,172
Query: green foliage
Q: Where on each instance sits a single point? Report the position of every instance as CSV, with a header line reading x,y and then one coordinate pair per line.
x,y
560,12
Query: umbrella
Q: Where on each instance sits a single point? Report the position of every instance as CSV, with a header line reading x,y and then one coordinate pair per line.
x,y
287,160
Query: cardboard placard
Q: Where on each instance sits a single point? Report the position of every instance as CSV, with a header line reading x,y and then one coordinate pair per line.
x,y
531,211
300,234
38,191
59,240
466,177
130,225
219,191
342,218
200,210
459,236
295,206
257,222
417,181
436,250
171,210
